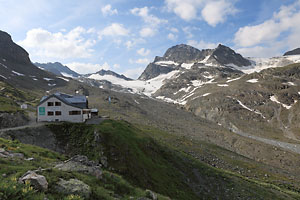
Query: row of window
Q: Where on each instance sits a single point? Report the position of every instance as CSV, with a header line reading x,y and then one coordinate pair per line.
x,y
58,113
51,113
57,103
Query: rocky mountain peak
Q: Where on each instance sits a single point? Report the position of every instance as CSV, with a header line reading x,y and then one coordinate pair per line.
x,y
292,52
182,53
103,72
58,69
11,51
225,55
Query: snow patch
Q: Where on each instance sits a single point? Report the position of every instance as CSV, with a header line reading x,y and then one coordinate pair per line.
x,y
4,60
166,63
136,102
199,83
187,65
222,85
247,108
17,73
291,83
274,99
48,79
235,79
67,75
252,80
3,76
259,64
205,59
208,76
203,95
183,90
51,85
34,79
169,100
206,94
65,79
138,86
3,65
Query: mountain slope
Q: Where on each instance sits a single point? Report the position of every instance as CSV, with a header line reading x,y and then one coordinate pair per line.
x,y
17,69
185,56
143,162
292,52
58,69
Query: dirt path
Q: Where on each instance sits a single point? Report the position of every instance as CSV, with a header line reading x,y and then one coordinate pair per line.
x,y
31,125
284,145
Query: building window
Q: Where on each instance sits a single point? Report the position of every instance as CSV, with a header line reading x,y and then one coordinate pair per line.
x,y
50,104
57,103
57,112
75,112
50,113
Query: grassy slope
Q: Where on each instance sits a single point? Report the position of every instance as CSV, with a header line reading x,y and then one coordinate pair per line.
x,y
9,96
110,186
147,163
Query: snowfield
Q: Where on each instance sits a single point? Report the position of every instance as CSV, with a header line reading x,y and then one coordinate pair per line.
x,y
138,86
252,81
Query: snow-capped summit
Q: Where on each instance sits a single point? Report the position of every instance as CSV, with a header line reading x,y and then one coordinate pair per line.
x,y
185,56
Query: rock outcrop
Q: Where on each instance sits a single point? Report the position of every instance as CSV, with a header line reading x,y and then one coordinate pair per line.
x,y
57,68
11,51
39,182
81,164
175,56
292,52
73,186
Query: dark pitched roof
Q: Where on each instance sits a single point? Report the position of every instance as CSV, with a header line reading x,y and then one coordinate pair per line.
x,y
78,101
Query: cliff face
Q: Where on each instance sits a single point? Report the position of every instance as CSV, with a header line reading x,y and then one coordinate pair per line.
x,y
11,51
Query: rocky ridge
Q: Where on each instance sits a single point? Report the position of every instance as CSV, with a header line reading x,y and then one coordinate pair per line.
x,y
58,69
184,55
17,69
292,52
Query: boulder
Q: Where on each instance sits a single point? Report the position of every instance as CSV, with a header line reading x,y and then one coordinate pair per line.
x,y
17,155
7,154
151,195
38,182
81,164
73,186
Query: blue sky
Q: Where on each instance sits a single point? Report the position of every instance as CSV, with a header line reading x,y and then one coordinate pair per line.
x,y
125,35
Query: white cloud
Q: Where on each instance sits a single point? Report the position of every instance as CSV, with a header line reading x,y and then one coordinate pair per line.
x,y
143,52
134,41
129,44
261,51
252,35
148,18
107,10
134,73
114,29
215,12
188,31
40,42
174,30
152,22
281,29
85,68
186,10
143,61
116,66
147,32
202,44
171,36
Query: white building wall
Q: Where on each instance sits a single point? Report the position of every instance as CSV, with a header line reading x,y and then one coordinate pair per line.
x,y
64,108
